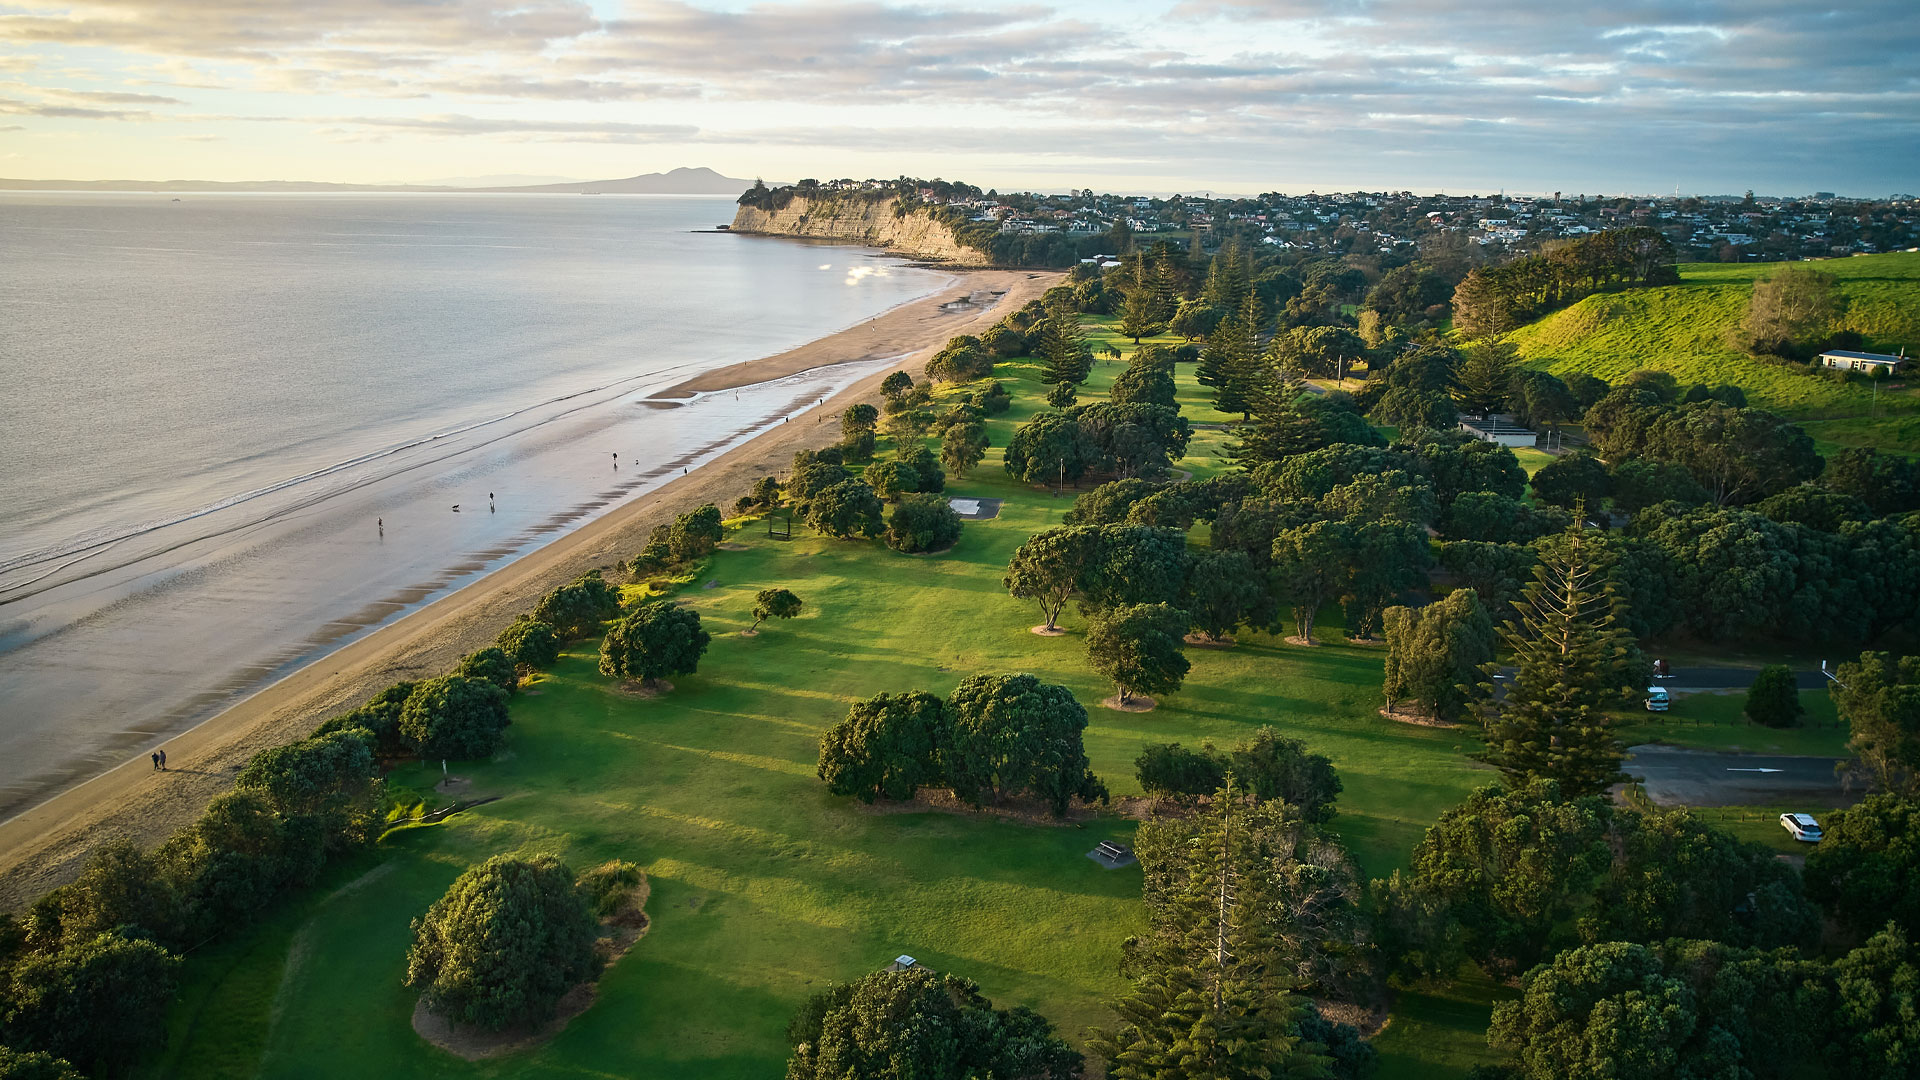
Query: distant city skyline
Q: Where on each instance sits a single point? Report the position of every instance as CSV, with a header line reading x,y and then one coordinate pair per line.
x,y
1635,96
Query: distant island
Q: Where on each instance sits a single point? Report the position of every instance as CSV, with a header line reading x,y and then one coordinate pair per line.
x,y
701,181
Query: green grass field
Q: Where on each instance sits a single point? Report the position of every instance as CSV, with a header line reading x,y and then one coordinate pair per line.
x,y
765,888
1684,329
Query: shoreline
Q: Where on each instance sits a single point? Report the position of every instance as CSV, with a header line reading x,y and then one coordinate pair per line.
x,y
47,844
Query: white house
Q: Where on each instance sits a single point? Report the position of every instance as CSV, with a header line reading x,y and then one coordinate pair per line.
x,y
1871,363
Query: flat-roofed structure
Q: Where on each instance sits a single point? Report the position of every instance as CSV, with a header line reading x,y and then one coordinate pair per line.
x,y
1501,430
1869,362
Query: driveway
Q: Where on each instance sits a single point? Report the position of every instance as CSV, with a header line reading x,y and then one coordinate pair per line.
x,y
1675,776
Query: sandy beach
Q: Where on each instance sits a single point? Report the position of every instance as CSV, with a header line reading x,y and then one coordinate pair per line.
x,y
48,844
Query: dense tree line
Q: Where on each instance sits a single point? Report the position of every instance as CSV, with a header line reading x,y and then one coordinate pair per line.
x,y
993,738
1493,300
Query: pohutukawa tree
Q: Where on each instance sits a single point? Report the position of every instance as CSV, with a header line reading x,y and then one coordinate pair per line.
x,y
659,639
1139,647
774,604
1575,659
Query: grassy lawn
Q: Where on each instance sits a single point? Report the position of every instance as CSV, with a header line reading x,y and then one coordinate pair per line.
x,y
1440,1031
765,888
1716,722
1683,329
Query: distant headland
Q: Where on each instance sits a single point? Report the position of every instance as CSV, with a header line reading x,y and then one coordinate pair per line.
x,y
699,181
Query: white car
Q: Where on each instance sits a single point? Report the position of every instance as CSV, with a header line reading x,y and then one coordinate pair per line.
x,y
1802,826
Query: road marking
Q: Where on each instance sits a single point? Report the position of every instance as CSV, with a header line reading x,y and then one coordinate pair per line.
x,y
1752,770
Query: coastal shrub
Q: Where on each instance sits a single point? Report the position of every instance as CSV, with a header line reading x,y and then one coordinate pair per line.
x,y
926,467
100,1004
994,400
962,360
577,609
774,604
326,773
846,510
227,866
1062,396
530,644
122,885
764,495
1003,341
891,479
493,665
35,1065
813,477
508,939
656,555
609,885
695,534
454,718
1866,868
380,715
829,455
922,522
959,414
924,1025
659,639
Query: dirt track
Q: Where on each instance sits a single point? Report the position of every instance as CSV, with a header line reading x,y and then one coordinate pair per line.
x,y
46,846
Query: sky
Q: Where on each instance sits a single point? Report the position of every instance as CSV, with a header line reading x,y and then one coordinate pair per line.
x,y
1591,96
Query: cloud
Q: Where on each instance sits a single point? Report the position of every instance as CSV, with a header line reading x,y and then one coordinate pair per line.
x,y
454,125
69,112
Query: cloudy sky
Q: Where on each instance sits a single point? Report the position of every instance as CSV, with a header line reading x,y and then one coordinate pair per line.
x,y
1783,96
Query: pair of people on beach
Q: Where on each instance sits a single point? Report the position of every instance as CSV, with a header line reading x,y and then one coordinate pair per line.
x,y
159,760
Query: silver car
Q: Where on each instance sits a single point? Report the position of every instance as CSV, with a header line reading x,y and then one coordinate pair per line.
x,y
1802,826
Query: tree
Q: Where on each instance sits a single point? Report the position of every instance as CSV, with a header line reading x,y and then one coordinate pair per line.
x,y
964,358
1435,653
1791,312
1141,317
1212,982
577,609
891,1025
322,774
530,644
1109,503
896,384
1139,647
1133,564
963,446
1169,769
1570,479
1063,350
1387,558
889,479
1309,569
926,468
659,639
493,665
889,746
1877,1013
697,532
1048,568
1737,455
774,604
1880,702
922,523
1223,365
1222,593
1267,765
100,1003
846,510
763,495
1637,484
857,420
35,1065
1483,381
1866,868
1051,448
454,717
1015,734
1062,396
1148,379
1773,700
506,941
1575,659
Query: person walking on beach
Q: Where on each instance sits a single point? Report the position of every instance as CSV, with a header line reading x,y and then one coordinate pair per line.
x,y
163,760
156,761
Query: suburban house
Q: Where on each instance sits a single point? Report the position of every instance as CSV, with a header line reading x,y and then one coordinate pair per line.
x,y
1499,430
1871,363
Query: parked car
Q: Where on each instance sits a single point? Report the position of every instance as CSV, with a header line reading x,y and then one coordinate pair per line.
x,y
1658,699
1802,826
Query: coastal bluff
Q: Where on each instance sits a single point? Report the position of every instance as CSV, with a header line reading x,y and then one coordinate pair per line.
x,y
873,222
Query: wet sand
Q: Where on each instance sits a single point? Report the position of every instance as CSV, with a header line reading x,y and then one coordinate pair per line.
x,y
47,845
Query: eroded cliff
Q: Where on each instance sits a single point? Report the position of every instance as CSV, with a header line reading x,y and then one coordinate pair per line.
x,y
872,222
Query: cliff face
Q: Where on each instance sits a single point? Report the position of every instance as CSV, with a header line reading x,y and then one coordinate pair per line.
x,y
861,221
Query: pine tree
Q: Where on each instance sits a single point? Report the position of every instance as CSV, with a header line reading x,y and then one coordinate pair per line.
x,y
1223,365
1165,284
1063,351
1575,658
1140,318
1209,997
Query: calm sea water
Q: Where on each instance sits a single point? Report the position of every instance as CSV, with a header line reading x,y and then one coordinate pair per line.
x,y
205,405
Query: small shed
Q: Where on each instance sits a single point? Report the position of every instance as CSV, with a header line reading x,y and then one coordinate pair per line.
x,y
903,962
1500,430
1871,363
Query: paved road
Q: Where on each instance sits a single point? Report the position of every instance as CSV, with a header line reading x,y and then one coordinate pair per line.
x,y
1732,678
1679,777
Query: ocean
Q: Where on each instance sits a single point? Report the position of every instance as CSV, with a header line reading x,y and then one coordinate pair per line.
x,y
233,427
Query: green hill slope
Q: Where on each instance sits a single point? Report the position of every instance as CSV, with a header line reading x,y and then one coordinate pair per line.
x,y
1684,329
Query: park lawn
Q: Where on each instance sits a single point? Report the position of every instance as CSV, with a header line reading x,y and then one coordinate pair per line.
x,y
765,888
1440,1030
1683,329
1716,721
